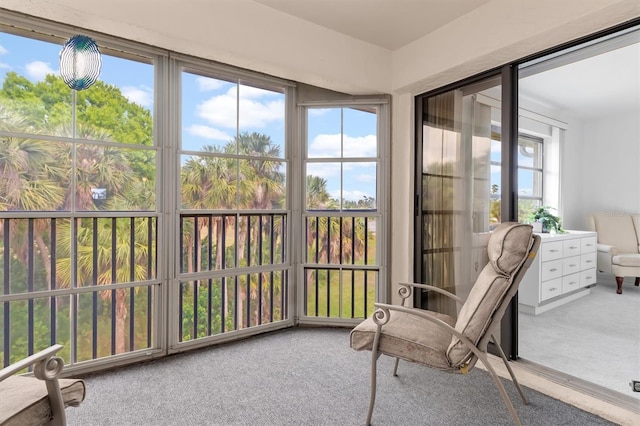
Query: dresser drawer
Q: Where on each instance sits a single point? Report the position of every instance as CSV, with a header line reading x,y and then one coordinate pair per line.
x,y
571,247
570,282
551,251
588,261
571,265
587,277
549,289
588,244
551,270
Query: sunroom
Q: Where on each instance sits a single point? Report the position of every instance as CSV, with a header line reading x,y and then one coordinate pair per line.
x,y
250,166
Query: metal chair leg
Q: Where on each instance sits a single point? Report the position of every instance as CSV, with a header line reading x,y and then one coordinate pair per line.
x,y
374,368
513,376
503,392
395,368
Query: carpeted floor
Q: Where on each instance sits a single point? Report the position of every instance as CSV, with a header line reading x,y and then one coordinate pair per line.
x,y
302,376
595,338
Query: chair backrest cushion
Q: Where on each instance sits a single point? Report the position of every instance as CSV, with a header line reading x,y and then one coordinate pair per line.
x,y
508,249
616,230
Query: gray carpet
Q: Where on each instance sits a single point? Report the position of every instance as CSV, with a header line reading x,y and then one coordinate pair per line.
x,y
595,338
302,376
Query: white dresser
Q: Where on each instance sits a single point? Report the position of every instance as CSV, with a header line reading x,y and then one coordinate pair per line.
x,y
561,272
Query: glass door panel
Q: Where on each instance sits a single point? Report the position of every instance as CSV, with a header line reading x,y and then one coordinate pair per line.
x,y
461,187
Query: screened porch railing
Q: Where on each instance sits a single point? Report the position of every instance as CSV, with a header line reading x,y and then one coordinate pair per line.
x,y
340,269
233,272
87,283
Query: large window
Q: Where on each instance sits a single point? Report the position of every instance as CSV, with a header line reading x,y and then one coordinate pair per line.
x,y
78,270
234,266
342,216
530,175
162,208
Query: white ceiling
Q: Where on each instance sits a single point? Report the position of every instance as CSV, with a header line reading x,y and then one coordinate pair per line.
x,y
601,85
598,86
390,24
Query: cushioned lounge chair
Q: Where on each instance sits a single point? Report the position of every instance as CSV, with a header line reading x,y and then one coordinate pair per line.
x,y
439,341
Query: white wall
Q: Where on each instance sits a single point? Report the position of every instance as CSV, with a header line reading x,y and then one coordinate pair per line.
x,y
573,168
606,176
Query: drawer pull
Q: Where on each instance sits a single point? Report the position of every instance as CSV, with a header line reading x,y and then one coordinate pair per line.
x,y
573,265
573,247
553,269
572,283
553,289
589,261
553,251
589,278
589,245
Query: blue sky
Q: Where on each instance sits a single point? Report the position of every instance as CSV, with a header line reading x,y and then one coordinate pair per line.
x,y
210,113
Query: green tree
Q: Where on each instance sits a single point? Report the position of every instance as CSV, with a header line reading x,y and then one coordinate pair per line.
x,y
36,175
46,105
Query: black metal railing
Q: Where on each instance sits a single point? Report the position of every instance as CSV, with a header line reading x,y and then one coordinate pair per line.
x,y
88,283
242,275
341,272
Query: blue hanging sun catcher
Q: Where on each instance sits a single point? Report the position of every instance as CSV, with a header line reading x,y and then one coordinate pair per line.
x,y
80,62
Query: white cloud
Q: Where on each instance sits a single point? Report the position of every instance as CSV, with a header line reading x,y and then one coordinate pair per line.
x,y
221,110
205,84
139,95
207,132
355,195
4,66
350,195
37,70
329,146
3,50
324,170
366,178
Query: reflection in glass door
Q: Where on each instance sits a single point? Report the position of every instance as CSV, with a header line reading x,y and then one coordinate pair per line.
x,y
461,187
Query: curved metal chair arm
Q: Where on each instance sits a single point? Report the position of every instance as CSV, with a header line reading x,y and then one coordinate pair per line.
x,y
382,318
424,314
406,290
47,367
43,357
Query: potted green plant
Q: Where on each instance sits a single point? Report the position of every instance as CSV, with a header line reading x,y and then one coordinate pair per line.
x,y
550,222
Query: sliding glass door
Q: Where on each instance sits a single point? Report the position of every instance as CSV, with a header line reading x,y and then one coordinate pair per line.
x,y
466,184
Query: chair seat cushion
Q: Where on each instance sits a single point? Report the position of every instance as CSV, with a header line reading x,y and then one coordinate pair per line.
x,y
25,400
626,259
408,337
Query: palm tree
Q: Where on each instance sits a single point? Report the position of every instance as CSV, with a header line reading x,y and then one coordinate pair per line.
x,y
29,181
99,166
107,263
266,191
222,181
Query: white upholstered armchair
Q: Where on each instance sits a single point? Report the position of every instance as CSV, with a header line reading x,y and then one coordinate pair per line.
x,y
618,244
